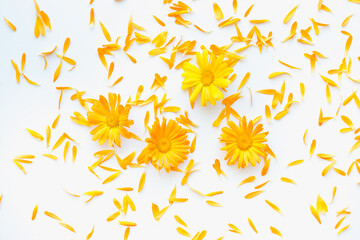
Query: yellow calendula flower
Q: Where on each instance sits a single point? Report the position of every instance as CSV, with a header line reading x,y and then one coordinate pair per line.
x,y
167,146
244,143
210,75
110,119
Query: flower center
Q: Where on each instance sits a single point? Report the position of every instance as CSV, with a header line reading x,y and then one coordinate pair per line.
x,y
164,145
113,121
207,78
244,142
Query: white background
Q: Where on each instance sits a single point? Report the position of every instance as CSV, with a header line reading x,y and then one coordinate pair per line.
x,y
25,106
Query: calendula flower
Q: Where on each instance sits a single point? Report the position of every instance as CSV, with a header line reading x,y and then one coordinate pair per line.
x,y
167,146
244,143
210,75
110,119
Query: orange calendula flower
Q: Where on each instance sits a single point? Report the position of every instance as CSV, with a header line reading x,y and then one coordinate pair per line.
x,y
210,75
244,143
111,119
167,146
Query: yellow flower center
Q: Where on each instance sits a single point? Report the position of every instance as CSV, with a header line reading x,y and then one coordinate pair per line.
x,y
244,142
164,145
207,78
113,121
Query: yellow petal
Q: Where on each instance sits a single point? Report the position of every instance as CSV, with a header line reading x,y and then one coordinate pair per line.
x,y
273,206
35,134
126,233
348,44
159,21
328,93
218,13
333,194
66,148
67,226
117,81
57,72
91,233
348,122
266,167
142,181
214,204
94,193
312,147
327,168
268,113
127,224
92,17
16,71
247,180
258,21
315,213
290,15
275,231
160,39
281,114
23,60
56,120
52,215
66,45
339,222
275,74
20,166
262,185
111,177
125,189
74,152
329,81
113,216
34,213
248,10
287,180
253,194
346,20
321,206
302,90
172,109
28,80
131,58
297,162
193,144
346,227
28,156
234,229
235,6
183,232
288,65
214,193
105,32
180,221
252,225
69,60
244,80
12,26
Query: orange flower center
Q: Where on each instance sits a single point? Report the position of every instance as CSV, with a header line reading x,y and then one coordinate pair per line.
x,y
113,121
244,142
207,78
163,145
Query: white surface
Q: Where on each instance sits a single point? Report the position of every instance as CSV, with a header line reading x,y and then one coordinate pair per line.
x,y
25,106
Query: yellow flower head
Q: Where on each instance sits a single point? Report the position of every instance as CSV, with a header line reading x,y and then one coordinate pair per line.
x,y
167,146
111,119
244,143
210,75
